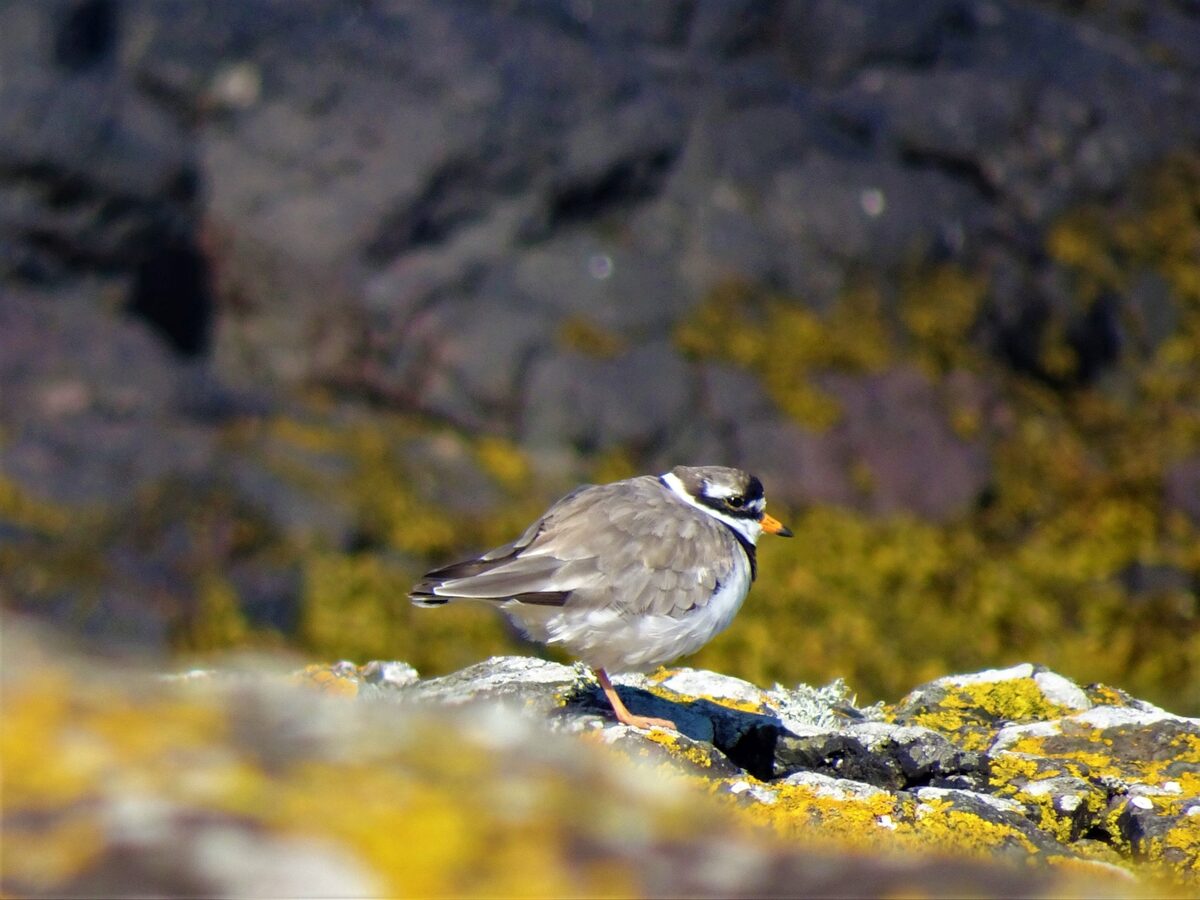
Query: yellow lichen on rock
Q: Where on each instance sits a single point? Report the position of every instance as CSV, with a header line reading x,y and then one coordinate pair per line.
x,y
938,309
338,680
590,339
20,508
786,343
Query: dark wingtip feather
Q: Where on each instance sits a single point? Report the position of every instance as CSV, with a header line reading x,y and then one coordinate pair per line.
x,y
423,595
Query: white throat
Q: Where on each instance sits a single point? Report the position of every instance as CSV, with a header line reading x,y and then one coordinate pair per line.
x,y
750,529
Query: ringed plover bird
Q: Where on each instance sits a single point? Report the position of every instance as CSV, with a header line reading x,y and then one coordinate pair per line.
x,y
625,576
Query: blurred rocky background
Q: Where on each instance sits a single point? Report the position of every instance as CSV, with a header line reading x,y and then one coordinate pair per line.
x,y
300,298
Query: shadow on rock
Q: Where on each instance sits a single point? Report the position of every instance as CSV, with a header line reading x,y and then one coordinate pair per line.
x,y
747,739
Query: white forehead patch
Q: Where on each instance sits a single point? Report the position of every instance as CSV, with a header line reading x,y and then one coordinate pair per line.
x,y
718,491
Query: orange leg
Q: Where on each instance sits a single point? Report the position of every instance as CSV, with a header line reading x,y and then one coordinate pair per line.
x,y
624,716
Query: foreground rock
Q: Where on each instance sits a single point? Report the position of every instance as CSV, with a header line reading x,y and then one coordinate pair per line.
x,y
510,777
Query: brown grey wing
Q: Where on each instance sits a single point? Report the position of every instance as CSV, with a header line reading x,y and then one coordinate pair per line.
x,y
564,503
505,573
651,552
514,579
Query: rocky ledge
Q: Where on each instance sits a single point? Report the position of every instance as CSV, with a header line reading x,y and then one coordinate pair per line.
x,y
1017,762
511,776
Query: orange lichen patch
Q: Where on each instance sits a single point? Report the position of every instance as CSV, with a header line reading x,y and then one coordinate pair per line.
x,y
685,751
1011,774
337,679
684,756
1158,758
1181,840
1104,695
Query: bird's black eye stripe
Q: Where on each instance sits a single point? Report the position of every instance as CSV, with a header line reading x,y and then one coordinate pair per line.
x,y
754,490
725,505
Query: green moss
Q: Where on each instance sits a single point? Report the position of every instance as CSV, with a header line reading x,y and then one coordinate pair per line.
x,y
354,605
614,464
585,336
938,308
18,507
787,344
218,622
505,462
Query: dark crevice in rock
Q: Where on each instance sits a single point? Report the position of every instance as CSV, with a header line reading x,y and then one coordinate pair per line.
x,y
857,132
450,200
928,761
88,227
958,168
87,36
839,756
1096,338
173,291
625,183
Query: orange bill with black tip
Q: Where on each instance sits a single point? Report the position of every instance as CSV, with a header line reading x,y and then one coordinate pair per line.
x,y
771,525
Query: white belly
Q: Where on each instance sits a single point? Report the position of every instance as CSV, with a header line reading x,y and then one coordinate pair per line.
x,y
603,638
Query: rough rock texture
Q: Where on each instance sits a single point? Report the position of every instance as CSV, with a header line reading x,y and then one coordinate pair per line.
x,y
420,227
1017,762
507,778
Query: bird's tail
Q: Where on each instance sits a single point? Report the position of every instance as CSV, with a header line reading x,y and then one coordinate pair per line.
x,y
422,595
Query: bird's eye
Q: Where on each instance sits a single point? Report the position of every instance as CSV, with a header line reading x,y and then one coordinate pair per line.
x,y
737,501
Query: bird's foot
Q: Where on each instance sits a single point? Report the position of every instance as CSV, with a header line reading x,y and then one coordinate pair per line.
x,y
624,716
646,722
